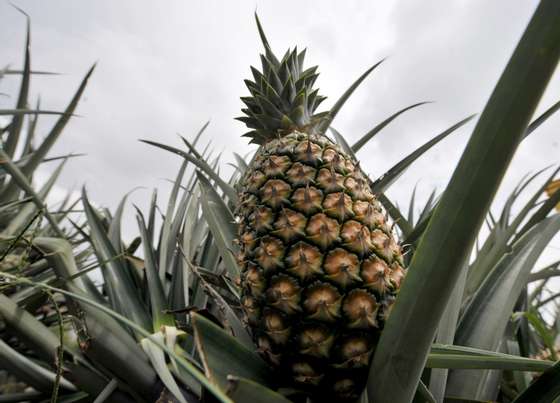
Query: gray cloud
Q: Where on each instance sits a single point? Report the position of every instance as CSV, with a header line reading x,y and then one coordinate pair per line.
x,y
166,68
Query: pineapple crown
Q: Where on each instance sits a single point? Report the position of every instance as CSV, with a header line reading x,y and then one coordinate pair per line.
x,y
282,95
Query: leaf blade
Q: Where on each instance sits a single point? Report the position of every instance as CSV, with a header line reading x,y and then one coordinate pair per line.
x,y
401,354
369,135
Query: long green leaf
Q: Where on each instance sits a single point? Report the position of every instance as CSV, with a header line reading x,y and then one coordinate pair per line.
x,y
181,361
494,302
410,216
381,184
155,287
59,254
369,135
17,112
169,240
17,120
447,242
59,126
322,126
486,362
396,215
230,318
542,118
119,284
110,346
499,240
545,334
219,363
341,141
107,391
541,213
438,348
157,358
37,157
8,72
551,270
416,233
24,324
176,267
221,223
18,222
202,165
446,333
114,231
392,210
545,389
108,343
241,164
28,371
424,394
44,342
428,207
19,180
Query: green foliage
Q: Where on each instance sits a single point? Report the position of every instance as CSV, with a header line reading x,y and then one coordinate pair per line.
x,y
161,313
446,244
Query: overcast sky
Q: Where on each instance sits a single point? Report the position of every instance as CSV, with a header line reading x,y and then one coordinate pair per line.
x,y
167,67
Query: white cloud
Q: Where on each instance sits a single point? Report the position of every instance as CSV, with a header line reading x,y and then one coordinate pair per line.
x,y
168,67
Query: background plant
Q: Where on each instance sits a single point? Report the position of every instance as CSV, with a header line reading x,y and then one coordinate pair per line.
x,y
134,322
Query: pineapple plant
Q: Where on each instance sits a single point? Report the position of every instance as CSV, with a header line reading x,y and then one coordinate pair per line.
x,y
319,267
320,264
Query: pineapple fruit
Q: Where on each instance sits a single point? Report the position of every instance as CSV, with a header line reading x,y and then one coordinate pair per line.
x,y
320,264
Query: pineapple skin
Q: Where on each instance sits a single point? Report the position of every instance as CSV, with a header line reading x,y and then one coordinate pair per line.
x,y
320,265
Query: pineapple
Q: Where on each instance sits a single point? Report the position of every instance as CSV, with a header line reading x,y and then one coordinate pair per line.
x,y
320,264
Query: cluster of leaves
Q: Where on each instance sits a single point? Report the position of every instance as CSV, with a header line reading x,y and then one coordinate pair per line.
x,y
25,218
164,320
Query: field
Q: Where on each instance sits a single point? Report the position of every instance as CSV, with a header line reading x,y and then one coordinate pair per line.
x,y
394,242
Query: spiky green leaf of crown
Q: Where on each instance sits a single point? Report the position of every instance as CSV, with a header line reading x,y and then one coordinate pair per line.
x,y
282,95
